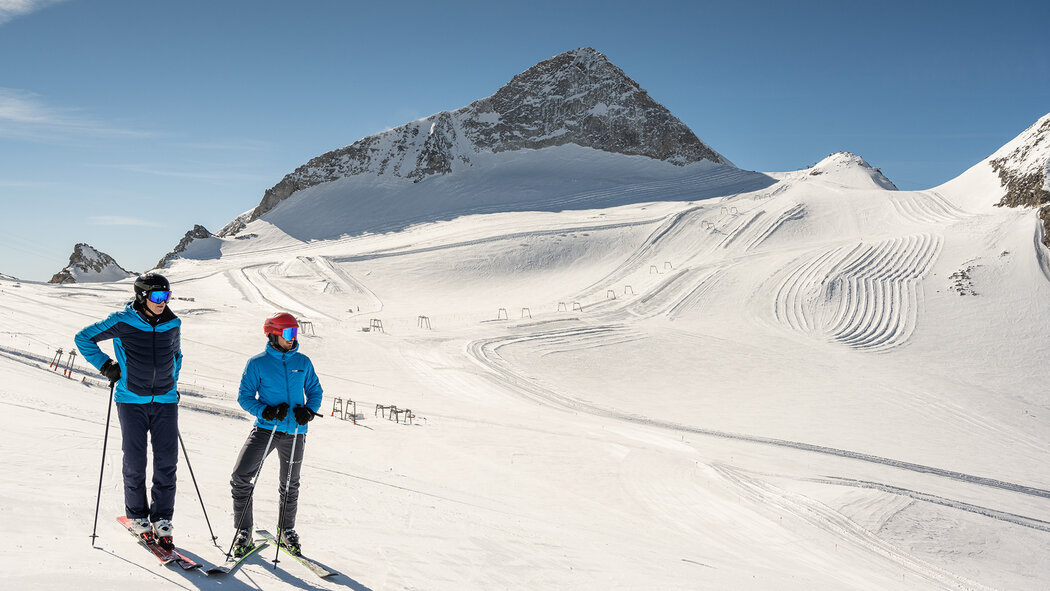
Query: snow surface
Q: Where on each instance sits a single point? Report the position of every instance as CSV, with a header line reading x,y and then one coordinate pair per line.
x,y
654,379
852,170
108,273
202,248
553,179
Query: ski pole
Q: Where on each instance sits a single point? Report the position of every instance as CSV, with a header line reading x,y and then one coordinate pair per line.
x,y
251,491
194,478
105,441
284,503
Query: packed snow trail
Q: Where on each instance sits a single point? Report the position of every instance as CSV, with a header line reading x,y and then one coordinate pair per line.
x,y
485,353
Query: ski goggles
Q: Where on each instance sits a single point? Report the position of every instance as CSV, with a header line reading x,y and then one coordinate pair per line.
x,y
159,297
289,334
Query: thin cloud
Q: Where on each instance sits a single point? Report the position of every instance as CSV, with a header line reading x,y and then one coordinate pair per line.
x,y
247,146
12,9
204,173
116,220
24,115
23,184
22,107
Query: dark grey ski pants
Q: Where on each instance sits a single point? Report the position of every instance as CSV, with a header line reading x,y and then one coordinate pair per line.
x,y
251,458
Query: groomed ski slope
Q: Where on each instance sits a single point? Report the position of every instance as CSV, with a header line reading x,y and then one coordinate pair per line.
x,y
811,384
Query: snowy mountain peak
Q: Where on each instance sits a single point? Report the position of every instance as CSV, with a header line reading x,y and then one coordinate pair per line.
x,y
198,243
1023,166
88,265
849,169
578,97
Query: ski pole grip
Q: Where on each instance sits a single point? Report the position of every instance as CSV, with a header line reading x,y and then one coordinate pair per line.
x,y
313,412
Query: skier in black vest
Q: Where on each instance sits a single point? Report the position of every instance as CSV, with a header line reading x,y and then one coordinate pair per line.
x,y
147,346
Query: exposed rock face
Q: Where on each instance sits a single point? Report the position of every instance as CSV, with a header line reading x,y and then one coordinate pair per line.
x,y
198,232
1023,171
87,265
578,97
1023,167
238,223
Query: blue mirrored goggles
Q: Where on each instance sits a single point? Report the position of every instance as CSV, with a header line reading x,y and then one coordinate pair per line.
x,y
159,297
289,334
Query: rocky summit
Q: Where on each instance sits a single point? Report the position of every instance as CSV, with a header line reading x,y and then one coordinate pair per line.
x,y
578,97
198,233
87,265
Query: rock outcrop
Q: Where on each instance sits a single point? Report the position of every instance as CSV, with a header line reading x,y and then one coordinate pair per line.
x,y
87,265
198,232
198,243
1023,167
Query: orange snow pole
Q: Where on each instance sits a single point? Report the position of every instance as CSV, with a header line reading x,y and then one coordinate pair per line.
x,y
56,360
69,365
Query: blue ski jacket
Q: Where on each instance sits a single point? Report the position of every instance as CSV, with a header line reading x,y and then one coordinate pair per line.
x,y
149,354
273,377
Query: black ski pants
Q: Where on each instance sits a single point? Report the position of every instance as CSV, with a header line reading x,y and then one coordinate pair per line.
x,y
248,463
160,422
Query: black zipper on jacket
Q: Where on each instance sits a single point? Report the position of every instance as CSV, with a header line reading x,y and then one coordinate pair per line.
x,y
287,382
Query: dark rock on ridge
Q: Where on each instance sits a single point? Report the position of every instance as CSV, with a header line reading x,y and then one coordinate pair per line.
x,y
198,232
1023,173
86,263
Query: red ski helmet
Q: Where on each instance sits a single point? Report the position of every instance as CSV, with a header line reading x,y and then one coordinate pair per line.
x,y
278,323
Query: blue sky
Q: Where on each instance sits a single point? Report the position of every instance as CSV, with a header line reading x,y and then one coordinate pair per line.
x,y
125,122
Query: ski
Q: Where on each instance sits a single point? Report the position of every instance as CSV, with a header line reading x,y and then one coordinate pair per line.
x,y
168,556
233,563
315,568
188,563
164,556
212,570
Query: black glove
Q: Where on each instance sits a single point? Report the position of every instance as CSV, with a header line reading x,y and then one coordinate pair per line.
x,y
303,415
111,370
275,413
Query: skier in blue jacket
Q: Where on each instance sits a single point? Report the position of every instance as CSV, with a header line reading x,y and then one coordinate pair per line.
x,y
275,381
147,346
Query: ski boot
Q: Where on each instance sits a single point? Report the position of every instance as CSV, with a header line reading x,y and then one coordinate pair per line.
x,y
140,526
163,529
242,543
290,540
